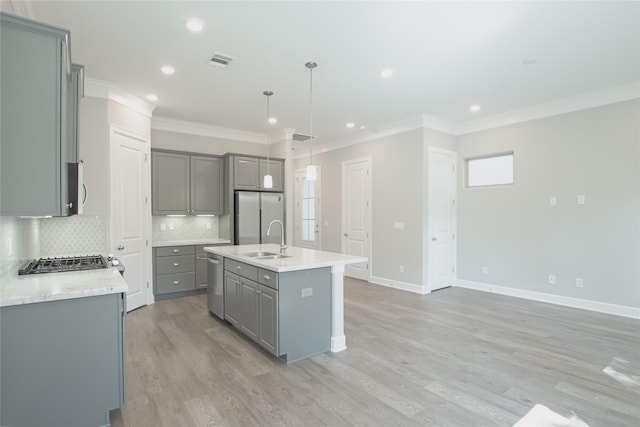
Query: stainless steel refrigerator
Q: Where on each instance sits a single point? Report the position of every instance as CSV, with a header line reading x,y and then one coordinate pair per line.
x,y
254,212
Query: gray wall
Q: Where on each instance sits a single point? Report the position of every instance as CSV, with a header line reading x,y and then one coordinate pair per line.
x,y
522,239
397,167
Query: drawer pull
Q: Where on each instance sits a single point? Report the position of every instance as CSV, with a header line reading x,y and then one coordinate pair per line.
x,y
266,277
257,291
176,282
239,267
175,251
176,264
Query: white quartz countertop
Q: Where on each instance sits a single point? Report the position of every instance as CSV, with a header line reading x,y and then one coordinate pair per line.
x,y
33,288
300,258
166,243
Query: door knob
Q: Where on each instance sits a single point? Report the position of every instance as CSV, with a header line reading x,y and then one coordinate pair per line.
x,y
120,247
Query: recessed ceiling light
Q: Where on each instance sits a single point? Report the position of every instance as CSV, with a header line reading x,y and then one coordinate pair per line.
x,y
273,120
529,61
168,69
474,108
151,97
386,73
350,125
194,24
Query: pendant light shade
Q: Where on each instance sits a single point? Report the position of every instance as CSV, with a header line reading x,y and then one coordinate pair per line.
x,y
311,169
268,179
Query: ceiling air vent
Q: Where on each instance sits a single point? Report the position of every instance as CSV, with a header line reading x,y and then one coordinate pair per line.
x,y
300,137
220,60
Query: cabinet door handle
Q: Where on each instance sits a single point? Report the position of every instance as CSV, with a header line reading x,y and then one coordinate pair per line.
x,y
257,291
176,282
266,277
175,251
176,264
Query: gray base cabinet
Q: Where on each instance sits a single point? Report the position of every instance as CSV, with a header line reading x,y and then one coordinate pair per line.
x,y
288,314
62,362
179,271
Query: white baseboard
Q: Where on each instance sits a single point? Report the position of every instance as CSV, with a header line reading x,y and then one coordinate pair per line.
x,y
399,285
602,307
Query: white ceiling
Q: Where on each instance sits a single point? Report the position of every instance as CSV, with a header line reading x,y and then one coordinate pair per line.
x,y
446,56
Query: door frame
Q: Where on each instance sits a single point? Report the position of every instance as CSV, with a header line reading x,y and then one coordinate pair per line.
x,y
318,205
454,214
368,209
113,243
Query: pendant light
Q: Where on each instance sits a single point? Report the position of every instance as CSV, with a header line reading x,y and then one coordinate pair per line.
x,y
268,179
311,169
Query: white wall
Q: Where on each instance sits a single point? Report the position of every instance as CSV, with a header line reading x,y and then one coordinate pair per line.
x,y
522,239
167,140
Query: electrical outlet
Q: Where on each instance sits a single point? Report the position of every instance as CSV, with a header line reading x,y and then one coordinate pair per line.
x,y
163,226
208,226
552,279
581,199
172,226
553,200
485,270
579,282
401,268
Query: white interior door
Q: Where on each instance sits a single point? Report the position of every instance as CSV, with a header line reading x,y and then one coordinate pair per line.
x,y
307,210
442,218
130,213
356,214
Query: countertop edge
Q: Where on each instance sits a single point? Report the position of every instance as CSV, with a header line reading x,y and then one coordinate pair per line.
x,y
280,268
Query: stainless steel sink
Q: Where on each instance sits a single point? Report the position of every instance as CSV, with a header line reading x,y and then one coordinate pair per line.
x,y
273,256
259,254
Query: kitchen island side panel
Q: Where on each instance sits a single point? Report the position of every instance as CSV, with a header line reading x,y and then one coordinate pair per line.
x,y
62,362
304,313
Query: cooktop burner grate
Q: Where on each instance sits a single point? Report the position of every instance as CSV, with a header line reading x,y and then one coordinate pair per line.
x,y
58,265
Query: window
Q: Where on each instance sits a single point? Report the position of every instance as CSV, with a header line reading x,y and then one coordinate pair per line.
x,y
308,210
494,170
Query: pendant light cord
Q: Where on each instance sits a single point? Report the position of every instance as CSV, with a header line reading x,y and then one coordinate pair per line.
x,y
311,116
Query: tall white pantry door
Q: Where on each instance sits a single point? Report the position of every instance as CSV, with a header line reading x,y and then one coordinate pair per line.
x,y
356,214
130,213
442,218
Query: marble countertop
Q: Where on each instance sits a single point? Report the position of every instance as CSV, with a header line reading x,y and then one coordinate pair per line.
x,y
301,258
34,288
166,243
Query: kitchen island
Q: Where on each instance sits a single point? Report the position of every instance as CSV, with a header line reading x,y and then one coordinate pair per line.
x,y
291,304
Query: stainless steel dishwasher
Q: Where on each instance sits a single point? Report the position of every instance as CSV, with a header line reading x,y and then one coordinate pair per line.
x,y
215,290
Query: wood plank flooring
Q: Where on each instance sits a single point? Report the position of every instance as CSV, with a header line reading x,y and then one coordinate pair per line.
x,y
456,357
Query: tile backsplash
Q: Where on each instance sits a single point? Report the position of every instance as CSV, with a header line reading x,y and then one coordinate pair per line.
x,y
73,235
18,245
184,228
27,238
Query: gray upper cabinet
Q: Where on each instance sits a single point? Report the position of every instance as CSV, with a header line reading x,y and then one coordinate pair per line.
x,y
170,183
245,173
183,184
276,169
249,172
207,175
39,116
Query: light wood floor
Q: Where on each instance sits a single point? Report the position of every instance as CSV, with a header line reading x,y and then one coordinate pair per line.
x,y
456,357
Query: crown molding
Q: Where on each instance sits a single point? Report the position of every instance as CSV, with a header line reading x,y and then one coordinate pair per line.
x,y
560,106
201,129
106,90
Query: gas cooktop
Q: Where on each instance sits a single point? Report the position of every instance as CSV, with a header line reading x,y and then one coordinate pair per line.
x,y
58,265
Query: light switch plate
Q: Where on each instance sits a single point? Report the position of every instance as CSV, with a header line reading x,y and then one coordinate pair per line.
x,y
306,292
581,199
553,201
